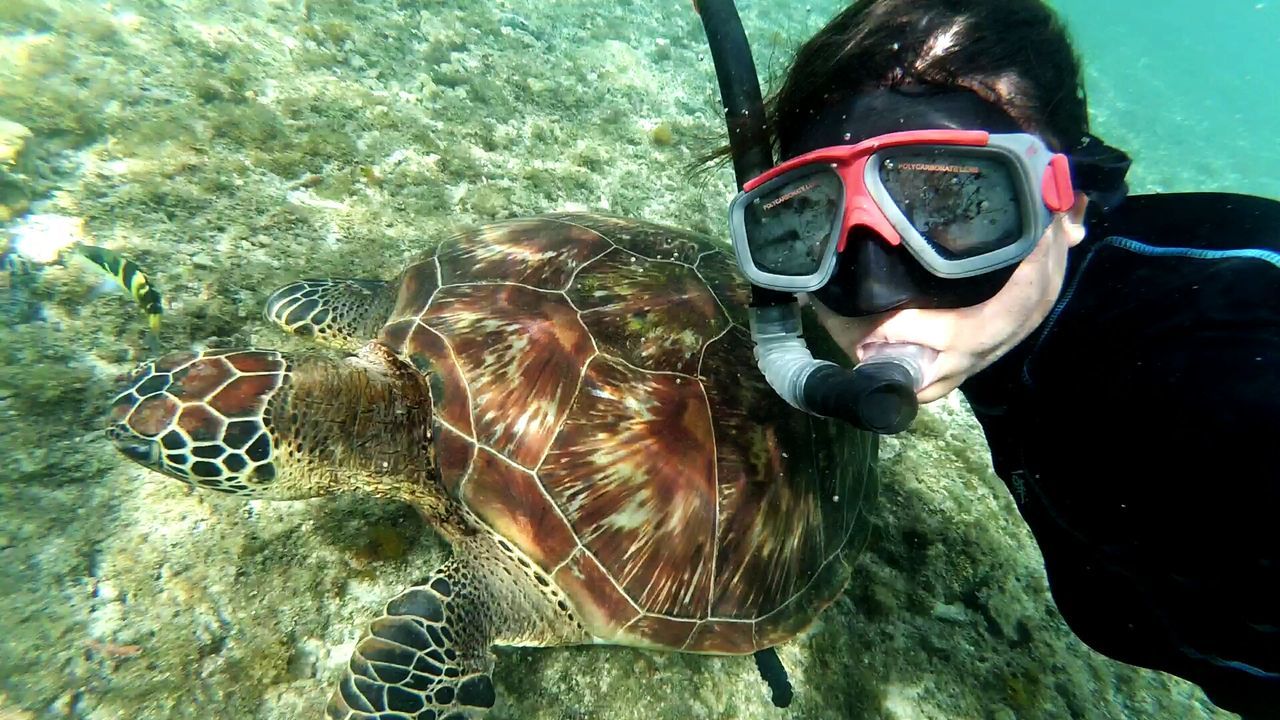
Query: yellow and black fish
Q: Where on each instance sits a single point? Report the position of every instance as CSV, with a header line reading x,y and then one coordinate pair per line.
x,y
131,278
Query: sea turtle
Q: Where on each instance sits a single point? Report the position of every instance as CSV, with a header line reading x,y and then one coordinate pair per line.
x,y
572,402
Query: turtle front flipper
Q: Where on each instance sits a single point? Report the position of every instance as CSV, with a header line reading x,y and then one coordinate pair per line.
x,y
340,312
426,657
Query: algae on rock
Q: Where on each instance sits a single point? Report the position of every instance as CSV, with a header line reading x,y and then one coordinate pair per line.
x,y
14,196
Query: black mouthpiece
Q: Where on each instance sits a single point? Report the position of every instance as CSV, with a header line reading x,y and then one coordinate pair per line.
x,y
878,396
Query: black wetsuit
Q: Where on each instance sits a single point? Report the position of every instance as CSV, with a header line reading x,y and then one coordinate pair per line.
x,y
1139,431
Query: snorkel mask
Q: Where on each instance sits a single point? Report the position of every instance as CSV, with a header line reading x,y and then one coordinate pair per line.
x,y
890,199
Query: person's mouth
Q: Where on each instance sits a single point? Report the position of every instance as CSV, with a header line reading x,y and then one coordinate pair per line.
x,y
924,356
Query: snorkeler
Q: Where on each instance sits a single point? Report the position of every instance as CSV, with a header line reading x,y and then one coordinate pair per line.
x,y
943,207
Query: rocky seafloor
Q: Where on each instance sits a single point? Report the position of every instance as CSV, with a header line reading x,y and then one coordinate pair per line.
x,y
230,147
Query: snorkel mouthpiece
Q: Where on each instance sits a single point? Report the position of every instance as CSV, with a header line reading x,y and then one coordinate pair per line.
x,y
879,394
881,390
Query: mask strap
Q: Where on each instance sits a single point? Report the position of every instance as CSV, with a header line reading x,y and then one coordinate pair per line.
x,y
1098,170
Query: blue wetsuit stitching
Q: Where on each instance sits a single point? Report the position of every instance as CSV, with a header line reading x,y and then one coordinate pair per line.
x,y
1144,249
1141,249
1233,664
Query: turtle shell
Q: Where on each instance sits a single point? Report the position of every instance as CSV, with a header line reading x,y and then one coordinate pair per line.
x,y
598,405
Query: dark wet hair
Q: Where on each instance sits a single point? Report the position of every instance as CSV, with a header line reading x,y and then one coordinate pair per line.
x,y
1015,54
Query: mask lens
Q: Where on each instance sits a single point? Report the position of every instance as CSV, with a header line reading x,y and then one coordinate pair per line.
x,y
963,203
791,225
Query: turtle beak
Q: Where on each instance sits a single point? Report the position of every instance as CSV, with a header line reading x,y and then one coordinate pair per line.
x,y
138,450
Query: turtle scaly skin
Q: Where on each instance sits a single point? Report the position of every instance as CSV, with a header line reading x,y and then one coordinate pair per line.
x,y
337,313
572,402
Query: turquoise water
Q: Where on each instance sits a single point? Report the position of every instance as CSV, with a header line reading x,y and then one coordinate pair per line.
x,y
1186,88
231,147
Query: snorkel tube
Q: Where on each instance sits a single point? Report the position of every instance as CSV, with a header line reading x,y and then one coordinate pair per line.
x,y
878,394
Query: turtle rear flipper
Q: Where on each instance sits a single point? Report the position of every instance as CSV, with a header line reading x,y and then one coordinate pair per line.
x,y
426,657
340,312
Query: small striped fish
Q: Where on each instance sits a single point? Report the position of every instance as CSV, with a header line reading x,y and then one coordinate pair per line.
x,y
131,278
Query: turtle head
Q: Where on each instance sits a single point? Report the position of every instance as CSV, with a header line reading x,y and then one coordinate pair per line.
x,y
204,418
264,424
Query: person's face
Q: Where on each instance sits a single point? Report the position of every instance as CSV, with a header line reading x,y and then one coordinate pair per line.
x,y
967,340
